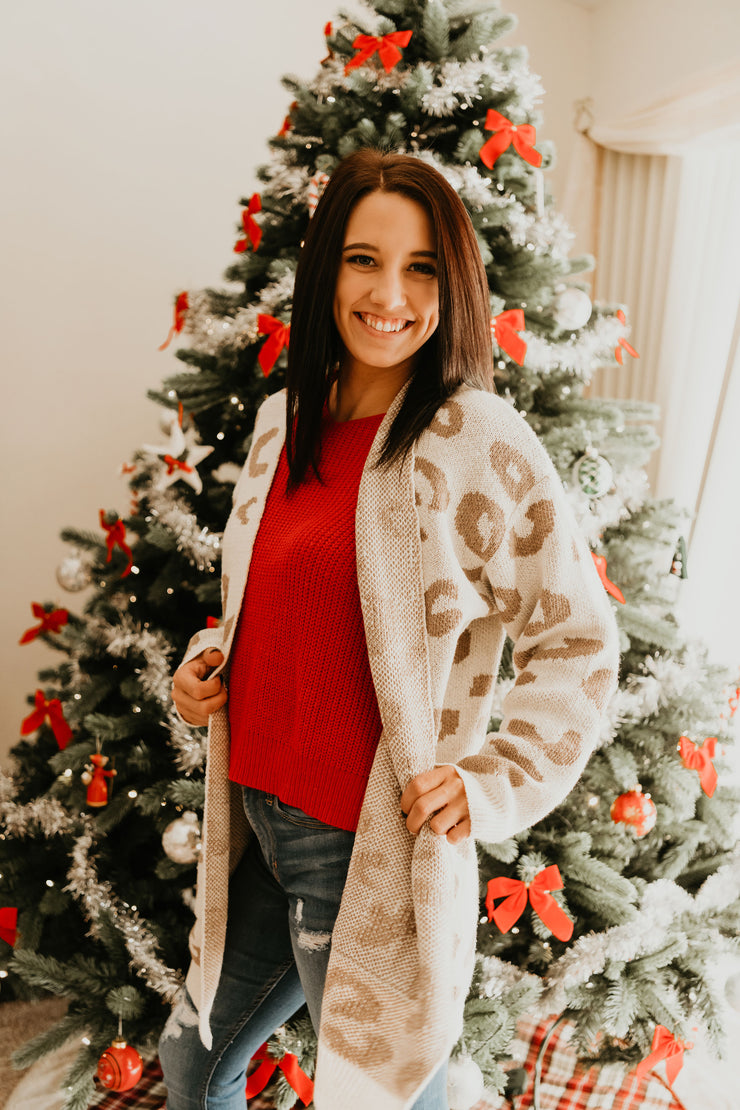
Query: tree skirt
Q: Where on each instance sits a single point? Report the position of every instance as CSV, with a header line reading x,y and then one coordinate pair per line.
x,y
564,1084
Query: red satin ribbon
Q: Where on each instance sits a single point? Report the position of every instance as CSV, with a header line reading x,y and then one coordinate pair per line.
x,y
291,1069
181,310
600,564
53,621
700,759
664,1047
177,464
515,892
504,328
523,136
8,922
116,536
622,343
252,230
387,47
53,710
278,337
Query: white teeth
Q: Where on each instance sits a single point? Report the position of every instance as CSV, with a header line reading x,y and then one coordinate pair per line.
x,y
383,325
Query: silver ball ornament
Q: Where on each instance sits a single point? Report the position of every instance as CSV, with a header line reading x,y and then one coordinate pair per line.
x,y
465,1084
181,838
572,309
74,573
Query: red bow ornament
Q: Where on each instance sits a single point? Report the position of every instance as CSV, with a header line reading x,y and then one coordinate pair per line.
x,y
664,1047
505,327
51,709
174,464
522,136
116,537
700,759
8,923
515,892
387,47
289,1066
252,230
623,342
600,564
278,336
51,621
181,310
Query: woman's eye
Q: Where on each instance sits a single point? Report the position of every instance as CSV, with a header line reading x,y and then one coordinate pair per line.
x,y
424,268
361,259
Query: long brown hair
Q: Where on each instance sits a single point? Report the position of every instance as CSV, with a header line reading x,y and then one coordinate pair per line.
x,y
458,351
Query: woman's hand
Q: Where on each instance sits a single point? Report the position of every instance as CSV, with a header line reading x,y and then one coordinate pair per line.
x,y
441,792
195,694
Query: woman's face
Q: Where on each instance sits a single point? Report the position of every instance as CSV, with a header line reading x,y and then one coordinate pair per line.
x,y
386,300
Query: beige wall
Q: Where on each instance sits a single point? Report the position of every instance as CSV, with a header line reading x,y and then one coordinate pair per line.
x,y
132,132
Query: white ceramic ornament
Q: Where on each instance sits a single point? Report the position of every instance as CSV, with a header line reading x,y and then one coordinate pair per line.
x,y
181,838
465,1084
572,309
594,474
73,573
732,991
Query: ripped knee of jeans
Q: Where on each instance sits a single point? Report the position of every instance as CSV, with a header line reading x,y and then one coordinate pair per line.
x,y
310,940
182,1016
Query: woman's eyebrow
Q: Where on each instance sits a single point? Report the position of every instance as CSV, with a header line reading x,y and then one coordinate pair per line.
x,y
372,247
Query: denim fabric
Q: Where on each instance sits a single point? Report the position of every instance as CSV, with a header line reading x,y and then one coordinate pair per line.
x,y
283,901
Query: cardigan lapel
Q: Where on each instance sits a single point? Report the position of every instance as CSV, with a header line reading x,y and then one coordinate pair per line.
x,y
250,496
389,574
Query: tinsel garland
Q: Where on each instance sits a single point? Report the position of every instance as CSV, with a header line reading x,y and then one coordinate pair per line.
x,y
581,355
211,334
190,747
96,895
199,545
45,815
458,85
127,636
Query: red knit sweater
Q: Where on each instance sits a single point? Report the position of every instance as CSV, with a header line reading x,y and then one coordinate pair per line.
x,y
303,714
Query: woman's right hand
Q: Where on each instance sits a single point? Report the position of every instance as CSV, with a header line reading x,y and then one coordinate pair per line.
x,y
195,694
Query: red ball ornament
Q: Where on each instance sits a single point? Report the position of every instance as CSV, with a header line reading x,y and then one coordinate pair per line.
x,y
635,809
120,1066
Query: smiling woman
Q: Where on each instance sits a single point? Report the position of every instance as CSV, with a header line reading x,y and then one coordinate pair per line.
x,y
394,521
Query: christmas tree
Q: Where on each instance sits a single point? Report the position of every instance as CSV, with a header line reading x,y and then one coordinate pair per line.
x,y
613,909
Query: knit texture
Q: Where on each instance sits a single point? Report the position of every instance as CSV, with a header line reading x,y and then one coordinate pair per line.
x,y
469,538
303,716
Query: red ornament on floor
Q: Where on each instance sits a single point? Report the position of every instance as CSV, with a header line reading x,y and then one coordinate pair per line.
x,y
635,809
120,1066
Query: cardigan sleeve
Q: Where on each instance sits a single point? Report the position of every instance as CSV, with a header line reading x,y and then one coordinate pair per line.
x,y
554,607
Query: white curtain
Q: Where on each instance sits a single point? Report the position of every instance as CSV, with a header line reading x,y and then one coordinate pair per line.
x,y
657,197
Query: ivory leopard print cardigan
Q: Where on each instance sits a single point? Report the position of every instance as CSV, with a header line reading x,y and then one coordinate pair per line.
x,y
470,539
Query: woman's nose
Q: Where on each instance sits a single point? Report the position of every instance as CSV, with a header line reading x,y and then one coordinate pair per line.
x,y
388,288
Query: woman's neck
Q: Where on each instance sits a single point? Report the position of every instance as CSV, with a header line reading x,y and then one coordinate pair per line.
x,y
353,397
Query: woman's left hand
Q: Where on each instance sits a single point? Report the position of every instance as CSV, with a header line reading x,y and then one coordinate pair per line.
x,y
439,792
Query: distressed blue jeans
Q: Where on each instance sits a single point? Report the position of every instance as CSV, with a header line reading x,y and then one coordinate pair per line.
x,y
283,901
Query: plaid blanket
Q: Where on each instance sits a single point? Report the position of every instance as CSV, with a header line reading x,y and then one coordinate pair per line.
x,y
564,1083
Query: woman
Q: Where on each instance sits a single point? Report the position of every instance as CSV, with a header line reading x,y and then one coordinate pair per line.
x,y
393,522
